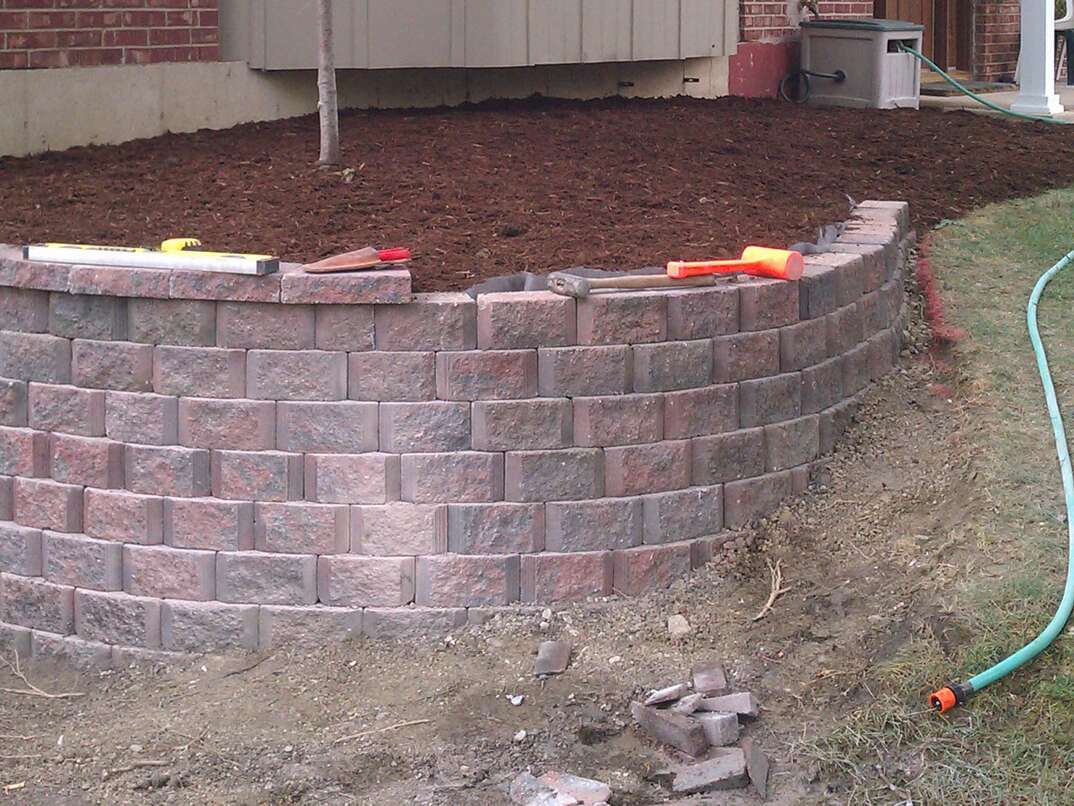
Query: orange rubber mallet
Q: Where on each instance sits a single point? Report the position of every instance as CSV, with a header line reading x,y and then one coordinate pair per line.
x,y
756,261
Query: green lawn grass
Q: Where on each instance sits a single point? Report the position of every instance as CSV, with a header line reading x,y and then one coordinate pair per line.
x,y
1014,743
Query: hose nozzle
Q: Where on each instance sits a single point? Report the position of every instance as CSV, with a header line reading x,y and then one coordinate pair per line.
x,y
948,697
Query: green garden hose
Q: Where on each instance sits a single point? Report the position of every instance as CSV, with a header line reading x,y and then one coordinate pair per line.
x,y
947,698
984,101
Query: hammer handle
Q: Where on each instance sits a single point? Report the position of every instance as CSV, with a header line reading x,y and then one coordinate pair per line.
x,y
649,281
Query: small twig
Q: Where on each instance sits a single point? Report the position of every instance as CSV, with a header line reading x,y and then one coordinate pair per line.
x,y
16,737
398,726
19,758
777,588
136,765
247,667
31,689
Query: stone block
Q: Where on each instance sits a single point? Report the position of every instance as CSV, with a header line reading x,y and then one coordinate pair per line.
x,y
82,316
252,325
623,318
682,514
702,313
387,286
208,627
652,468
120,281
199,372
69,651
537,424
366,478
7,498
548,578
419,427
48,505
857,369
257,578
241,425
349,581
459,477
124,517
585,371
741,356
309,627
618,420
598,525
343,327
455,580
873,258
411,623
117,618
257,476
88,461
208,523
24,309
401,529
816,289
485,375
520,319
499,528
24,452
142,418
701,412
803,345
846,328
725,770
35,357
558,475
117,365
672,365
401,376
82,561
35,603
430,322
14,405
646,568
822,385
172,321
770,400
345,427
167,470
766,303
161,572
750,499
67,409
791,443
302,528
236,288
20,550
727,457
834,422
296,375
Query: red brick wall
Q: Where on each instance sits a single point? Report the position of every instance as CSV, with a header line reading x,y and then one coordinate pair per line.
x,y
766,20
995,39
78,33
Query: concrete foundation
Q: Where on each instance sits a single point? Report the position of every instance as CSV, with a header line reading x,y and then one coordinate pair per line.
x,y
48,110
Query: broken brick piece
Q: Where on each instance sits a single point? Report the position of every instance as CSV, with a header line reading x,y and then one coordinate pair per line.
x,y
681,732
669,694
720,729
757,767
725,770
741,703
710,679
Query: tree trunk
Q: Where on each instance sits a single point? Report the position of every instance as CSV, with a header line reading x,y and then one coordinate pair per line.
x,y
327,104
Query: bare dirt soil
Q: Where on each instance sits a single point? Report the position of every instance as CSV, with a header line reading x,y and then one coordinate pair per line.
x,y
534,185
430,723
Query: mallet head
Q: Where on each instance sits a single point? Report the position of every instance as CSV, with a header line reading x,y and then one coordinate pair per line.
x,y
778,263
568,285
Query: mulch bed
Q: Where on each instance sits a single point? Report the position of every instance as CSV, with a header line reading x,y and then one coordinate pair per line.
x,y
532,185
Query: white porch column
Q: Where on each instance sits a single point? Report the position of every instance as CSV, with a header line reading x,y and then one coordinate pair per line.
x,y
1036,91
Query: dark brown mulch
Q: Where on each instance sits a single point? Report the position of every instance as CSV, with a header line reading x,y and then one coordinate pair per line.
x,y
534,185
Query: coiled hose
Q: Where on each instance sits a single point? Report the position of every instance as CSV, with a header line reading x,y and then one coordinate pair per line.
x,y
948,697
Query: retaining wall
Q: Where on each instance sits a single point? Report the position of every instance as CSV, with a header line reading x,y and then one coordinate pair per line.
x,y
196,462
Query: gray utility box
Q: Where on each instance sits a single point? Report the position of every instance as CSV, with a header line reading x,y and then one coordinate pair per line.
x,y
879,76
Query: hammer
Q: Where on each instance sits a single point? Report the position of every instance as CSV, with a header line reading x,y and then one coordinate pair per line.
x,y
756,261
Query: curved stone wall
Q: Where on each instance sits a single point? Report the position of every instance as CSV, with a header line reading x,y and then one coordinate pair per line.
x,y
194,462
